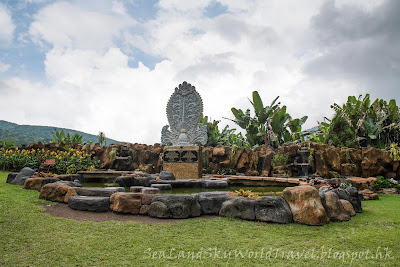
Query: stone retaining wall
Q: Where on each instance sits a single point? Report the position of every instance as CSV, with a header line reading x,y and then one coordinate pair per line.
x,y
326,161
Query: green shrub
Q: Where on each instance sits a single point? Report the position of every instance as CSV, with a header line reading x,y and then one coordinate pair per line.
x,y
381,182
395,152
226,171
280,159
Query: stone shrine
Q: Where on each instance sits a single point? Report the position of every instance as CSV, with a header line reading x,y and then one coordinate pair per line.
x,y
182,153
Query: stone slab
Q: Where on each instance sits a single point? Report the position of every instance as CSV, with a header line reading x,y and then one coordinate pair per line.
x,y
183,162
98,191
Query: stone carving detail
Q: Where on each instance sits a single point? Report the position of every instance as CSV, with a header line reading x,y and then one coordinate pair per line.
x,y
188,156
184,111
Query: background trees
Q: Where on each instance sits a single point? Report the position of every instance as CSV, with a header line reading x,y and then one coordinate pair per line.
x,y
359,123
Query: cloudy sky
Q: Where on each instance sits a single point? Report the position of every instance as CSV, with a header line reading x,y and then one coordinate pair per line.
x,y
111,66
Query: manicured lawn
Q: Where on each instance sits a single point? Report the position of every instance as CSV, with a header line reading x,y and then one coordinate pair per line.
x,y
29,237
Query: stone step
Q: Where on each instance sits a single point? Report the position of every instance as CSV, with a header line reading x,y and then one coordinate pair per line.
x,y
98,191
162,186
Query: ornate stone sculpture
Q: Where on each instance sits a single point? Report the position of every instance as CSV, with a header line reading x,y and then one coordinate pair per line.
x,y
184,111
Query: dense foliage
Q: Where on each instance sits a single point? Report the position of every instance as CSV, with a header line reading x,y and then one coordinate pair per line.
x,y
360,122
69,161
270,125
382,182
226,137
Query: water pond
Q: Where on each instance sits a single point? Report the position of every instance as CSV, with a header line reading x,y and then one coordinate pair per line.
x,y
260,190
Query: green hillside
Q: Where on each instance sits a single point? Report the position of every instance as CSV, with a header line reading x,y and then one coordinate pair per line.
x,y
27,134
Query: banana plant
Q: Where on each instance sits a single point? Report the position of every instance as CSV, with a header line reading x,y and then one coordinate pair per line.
x,y
76,138
59,137
376,124
271,125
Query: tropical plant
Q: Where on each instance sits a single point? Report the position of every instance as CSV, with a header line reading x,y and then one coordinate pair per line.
x,y
76,138
271,125
101,137
359,122
59,137
242,193
226,137
7,144
226,171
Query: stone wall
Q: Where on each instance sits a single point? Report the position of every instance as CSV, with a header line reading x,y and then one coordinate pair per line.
x,y
326,161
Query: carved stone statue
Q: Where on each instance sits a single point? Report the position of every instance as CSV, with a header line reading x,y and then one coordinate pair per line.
x,y
184,111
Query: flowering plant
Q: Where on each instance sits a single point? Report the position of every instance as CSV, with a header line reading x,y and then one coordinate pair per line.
x,y
72,159
242,193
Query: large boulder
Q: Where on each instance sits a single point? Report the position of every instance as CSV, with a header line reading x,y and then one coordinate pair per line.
x,y
239,207
126,202
162,186
174,206
136,189
352,195
305,204
333,207
148,198
89,203
348,207
11,176
132,180
33,183
273,209
375,162
362,183
211,202
48,180
70,183
22,176
98,191
369,195
209,183
126,181
54,192
165,175
150,190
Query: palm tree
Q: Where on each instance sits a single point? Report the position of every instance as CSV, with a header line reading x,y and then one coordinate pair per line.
x,y
102,138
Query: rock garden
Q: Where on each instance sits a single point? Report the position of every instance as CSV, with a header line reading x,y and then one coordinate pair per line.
x,y
314,202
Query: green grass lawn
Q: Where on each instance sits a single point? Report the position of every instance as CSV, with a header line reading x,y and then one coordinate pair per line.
x,y
29,237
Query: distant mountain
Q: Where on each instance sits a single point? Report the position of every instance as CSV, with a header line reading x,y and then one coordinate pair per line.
x,y
27,134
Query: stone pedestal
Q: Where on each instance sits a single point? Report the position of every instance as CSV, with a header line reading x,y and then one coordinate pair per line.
x,y
183,161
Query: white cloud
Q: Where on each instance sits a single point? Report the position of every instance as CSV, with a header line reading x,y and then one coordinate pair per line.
x,y
66,25
7,26
4,67
187,5
268,46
